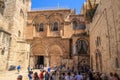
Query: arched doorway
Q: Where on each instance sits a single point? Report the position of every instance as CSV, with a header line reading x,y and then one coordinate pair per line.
x,y
98,60
55,53
37,58
82,50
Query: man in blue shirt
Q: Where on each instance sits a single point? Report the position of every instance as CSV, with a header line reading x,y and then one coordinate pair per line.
x,y
30,75
18,68
49,69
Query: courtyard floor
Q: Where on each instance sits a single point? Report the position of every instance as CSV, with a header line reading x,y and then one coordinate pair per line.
x,y
12,75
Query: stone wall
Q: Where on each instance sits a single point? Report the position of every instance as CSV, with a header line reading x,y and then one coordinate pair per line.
x,y
104,37
14,16
4,49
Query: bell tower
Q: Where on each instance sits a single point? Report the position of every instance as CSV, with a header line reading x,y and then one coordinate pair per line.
x,y
15,11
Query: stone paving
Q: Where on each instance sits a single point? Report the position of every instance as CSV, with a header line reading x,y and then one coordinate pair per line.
x,y
12,75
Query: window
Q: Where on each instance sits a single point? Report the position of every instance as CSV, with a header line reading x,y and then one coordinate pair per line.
x,y
98,41
41,27
19,33
82,47
55,26
21,13
74,24
117,63
3,51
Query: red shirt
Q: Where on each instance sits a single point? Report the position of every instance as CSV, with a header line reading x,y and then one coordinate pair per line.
x,y
41,75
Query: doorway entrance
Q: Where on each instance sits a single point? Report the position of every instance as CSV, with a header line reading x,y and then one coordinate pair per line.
x,y
40,60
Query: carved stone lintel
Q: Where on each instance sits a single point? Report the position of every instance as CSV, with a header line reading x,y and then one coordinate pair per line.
x,y
67,23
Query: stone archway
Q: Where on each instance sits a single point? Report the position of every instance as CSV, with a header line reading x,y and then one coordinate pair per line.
x,y
38,54
98,58
55,53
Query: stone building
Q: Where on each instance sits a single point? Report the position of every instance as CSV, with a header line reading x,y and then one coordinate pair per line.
x,y
105,37
4,43
13,47
48,37
54,37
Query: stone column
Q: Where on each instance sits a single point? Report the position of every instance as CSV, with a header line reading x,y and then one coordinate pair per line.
x,y
46,61
74,49
1,36
32,61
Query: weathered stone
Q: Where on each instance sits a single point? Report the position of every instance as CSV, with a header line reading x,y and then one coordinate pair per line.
x,y
104,37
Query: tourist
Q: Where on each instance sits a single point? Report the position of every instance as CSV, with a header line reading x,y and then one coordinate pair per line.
x,y
30,75
74,77
111,76
19,77
91,75
60,67
49,69
68,77
28,68
46,76
41,76
35,77
68,70
53,77
18,68
86,76
63,76
79,76
116,77
103,76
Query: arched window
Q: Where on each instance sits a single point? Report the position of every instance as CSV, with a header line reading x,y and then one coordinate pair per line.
x,y
98,41
82,47
21,13
98,58
3,51
117,63
2,7
55,26
74,24
41,27
19,33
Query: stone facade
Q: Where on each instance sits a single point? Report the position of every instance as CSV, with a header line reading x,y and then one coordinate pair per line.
x,y
13,15
4,48
51,34
105,37
24,43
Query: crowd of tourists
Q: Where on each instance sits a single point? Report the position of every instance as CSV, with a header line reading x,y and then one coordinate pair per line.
x,y
61,73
